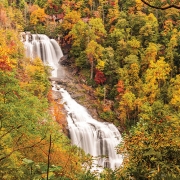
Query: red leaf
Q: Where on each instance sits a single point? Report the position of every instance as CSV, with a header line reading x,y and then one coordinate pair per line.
x,y
120,86
99,77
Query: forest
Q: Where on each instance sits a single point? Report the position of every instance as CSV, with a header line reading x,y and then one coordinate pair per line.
x,y
127,52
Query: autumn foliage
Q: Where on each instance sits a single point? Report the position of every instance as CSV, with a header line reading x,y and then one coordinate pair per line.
x,y
29,117
127,51
120,87
5,62
99,77
8,50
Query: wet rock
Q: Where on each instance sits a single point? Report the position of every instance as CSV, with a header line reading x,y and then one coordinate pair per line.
x,y
76,96
64,60
56,95
62,82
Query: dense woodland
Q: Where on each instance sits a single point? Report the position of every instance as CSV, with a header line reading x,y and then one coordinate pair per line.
x,y
127,52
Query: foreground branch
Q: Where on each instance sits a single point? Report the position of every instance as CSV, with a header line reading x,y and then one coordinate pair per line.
x,y
10,131
162,8
31,146
49,152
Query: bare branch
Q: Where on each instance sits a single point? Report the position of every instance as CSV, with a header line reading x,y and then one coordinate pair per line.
x,y
49,152
31,146
161,8
10,131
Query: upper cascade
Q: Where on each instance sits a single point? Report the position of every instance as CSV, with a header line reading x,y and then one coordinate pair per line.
x,y
41,46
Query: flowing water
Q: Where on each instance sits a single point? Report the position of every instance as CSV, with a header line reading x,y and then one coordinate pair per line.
x,y
40,46
98,139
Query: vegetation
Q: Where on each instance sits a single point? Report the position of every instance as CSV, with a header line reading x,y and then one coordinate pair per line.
x,y
128,53
33,145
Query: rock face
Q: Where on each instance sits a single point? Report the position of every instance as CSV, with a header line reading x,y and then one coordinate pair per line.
x,y
76,90
64,60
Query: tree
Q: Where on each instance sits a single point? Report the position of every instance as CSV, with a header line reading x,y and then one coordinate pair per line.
x,y
6,63
70,19
126,107
38,16
52,7
135,82
99,77
151,149
174,92
112,15
80,37
155,78
86,40
110,67
36,78
3,17
20,112
94,53
150,54
149,31
10,163
170,52
133,46
41,3
97,30
120,87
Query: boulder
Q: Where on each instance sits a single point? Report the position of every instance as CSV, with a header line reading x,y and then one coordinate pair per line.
x,y
64,60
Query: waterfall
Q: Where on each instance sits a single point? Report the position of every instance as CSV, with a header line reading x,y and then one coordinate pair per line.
x,y
98,139
40,46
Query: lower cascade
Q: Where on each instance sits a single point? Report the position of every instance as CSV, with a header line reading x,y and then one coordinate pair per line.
x,y
98,139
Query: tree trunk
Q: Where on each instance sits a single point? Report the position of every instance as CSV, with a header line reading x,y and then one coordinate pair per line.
x,y
92,66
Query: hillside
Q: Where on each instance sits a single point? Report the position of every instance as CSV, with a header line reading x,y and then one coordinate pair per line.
x,y
123,54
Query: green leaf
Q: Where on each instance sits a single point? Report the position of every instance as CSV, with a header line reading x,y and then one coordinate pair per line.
x,y
149,153
28,162
55,168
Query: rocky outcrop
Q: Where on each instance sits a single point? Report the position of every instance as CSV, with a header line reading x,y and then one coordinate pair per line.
x,y
78,91
64,60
